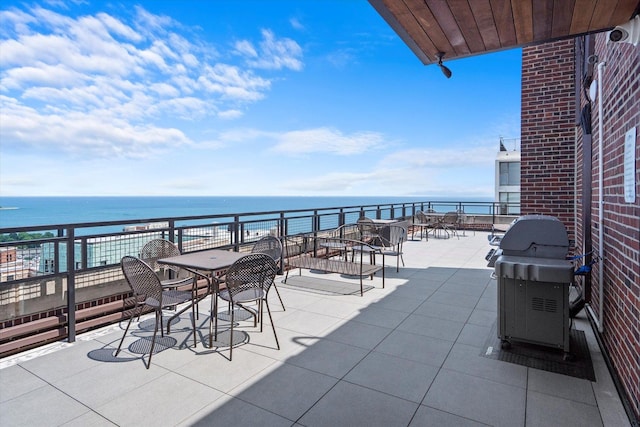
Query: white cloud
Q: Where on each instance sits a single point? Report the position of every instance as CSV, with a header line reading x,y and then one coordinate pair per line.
x,y
230,114
82,134
296,24
119,28
328,141
273,53
105,85
245,47
443,157
232,82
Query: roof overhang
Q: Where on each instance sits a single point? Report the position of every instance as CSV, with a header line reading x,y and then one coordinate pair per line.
x,y
461,28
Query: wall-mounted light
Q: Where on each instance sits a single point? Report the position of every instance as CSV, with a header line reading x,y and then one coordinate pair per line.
x,y
445,70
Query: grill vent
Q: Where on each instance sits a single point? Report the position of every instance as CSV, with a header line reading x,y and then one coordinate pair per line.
x,y
544,304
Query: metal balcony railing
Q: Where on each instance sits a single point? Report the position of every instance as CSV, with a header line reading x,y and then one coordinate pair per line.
x,y
58,280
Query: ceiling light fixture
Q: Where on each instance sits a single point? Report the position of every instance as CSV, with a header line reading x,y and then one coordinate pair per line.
x,y
445,70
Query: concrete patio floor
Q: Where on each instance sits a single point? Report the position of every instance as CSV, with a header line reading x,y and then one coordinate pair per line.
x,y
406,355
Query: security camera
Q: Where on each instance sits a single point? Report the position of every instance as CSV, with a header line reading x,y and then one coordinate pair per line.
x,y
626,33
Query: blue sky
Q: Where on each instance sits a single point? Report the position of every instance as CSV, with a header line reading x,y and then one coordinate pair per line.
x,y
241,98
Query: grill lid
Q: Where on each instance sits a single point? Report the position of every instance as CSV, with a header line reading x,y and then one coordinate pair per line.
x,y
539,236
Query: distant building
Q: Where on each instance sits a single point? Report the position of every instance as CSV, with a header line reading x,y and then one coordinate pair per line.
x,y
507,181
12,268
101,251
8,255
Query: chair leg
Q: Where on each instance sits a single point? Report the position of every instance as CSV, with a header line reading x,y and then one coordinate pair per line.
x,y
260,312
153,340
272,325
168,325
213,334
125,333
278,292
193,322
231,336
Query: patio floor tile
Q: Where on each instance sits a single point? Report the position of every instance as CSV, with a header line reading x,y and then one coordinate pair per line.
x,y
477,398
393,375
350,405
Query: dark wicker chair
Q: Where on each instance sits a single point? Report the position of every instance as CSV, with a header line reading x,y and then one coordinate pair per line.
x,y
334,244
451,222
369,230
388,243
148,292
392,245
248,281
423,222
271,246
170,276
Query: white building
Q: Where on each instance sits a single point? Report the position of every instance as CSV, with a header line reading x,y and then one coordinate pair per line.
x,y
507,180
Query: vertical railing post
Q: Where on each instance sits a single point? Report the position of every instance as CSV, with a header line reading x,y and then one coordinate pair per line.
x,y
71,286
493,213
235,234
172,232
284,226
83,254
315,222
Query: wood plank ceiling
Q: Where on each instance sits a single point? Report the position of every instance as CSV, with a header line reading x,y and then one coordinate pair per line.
x,y
461,28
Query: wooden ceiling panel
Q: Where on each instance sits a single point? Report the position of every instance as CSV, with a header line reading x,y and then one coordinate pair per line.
x,y
621,12
562,15
602,13
505,24
481,9
467,24
462,28
443,14
523,21
438,41
542,19
581,21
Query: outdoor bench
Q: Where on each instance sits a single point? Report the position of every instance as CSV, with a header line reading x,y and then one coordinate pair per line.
x,y
329,254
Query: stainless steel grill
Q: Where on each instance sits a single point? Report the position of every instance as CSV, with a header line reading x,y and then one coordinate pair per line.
x,y
533,277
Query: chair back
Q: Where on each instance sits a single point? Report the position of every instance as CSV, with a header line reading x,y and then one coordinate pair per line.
x,y
346,231
368,229
393,236
425,217
157,249
450,218
397,234
251,272
268,245
142,279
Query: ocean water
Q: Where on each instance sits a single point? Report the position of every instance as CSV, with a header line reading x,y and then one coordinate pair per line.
x,y
31,211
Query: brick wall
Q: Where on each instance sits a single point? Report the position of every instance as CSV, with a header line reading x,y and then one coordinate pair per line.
x,y
550,162
621,231
548,131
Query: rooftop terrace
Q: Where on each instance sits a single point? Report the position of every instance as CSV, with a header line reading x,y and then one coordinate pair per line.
x,y
410,354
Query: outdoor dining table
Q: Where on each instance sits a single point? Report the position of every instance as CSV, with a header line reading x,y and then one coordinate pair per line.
x,y
209,261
